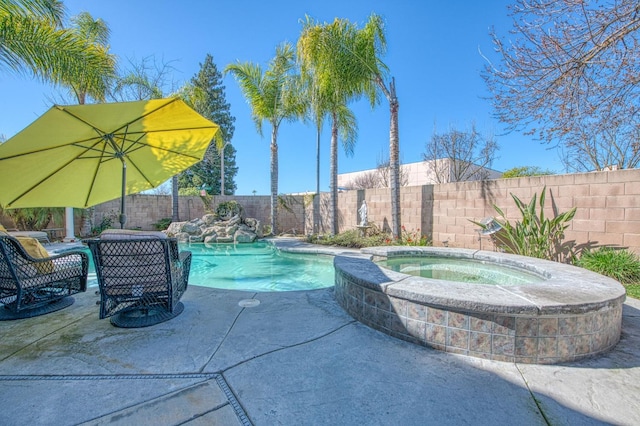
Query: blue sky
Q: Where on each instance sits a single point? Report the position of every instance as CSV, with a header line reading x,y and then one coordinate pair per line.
x,y
433,53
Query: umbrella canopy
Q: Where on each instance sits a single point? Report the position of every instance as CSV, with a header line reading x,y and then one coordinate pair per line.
x,y
83,155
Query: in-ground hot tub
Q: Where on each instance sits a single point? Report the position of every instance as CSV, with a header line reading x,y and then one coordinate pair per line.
x,y
564,314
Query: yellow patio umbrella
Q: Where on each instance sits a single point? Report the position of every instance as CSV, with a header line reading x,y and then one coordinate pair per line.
x,y
83,155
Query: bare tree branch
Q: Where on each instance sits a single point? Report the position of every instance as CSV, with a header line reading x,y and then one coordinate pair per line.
x,y
570,75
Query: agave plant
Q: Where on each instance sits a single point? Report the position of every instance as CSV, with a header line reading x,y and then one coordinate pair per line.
x,y
535,235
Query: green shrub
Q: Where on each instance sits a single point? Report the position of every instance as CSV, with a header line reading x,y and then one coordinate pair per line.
x,y
227,209
633,290
621,265
35,218
353,238
106,223
162,224
526,171
189,191
412,238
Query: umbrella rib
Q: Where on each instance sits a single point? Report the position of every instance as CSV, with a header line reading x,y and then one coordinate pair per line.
x,y
95,172
50,148
140,117
42,180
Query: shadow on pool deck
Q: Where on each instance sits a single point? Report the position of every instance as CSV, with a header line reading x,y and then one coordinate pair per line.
x,y
296,358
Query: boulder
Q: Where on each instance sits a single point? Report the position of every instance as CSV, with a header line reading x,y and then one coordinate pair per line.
x,y
244,236
174,228
196,238
192,227
211,229
182,237
211,239
230,230
209,219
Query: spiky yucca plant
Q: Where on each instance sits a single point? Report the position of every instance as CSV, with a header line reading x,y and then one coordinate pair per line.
x,y
535,235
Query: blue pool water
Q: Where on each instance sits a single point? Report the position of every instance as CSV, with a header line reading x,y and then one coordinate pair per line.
x,y
253,267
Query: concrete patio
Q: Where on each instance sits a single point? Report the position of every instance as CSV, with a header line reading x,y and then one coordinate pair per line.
x,y
294,359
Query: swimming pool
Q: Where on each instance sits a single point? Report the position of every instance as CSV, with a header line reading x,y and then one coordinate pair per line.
x,y
252,267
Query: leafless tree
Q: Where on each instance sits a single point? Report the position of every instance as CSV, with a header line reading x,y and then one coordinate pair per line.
x,y
384,174
571,75
365,180
459,155
378,178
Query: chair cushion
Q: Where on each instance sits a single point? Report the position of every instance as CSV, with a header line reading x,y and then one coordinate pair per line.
x,y
129,234
37,251
2,228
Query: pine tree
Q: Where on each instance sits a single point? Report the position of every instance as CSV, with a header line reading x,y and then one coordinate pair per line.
x,y
212,104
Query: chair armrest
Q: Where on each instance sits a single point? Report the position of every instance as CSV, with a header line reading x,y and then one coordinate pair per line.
x,y
184,256
183,266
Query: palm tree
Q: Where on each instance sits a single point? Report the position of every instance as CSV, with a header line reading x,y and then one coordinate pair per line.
x,y
317,110
34,41
369,46
346,62
143,81
96,33
272,97
325,66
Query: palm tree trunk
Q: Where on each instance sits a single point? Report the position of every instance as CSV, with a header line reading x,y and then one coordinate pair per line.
x,y
274,179
175,217
394,154
334,176
316,199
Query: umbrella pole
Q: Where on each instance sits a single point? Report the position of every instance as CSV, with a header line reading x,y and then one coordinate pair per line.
x,y
123,217
69,226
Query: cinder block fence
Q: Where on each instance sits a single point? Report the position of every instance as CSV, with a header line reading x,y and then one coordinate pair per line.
x,y
608,208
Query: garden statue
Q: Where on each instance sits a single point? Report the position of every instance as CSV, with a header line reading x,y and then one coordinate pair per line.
x,y
363,214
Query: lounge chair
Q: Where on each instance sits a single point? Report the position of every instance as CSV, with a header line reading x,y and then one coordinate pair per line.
x,y
34,283
141,276
41,236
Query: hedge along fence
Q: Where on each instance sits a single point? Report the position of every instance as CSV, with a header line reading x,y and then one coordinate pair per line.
x,y
608,208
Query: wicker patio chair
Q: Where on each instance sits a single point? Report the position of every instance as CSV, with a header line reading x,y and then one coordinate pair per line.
x,y
32,286
141,276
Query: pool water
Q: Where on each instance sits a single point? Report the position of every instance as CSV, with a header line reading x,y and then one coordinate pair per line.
x,y
257,267
253,267
460,270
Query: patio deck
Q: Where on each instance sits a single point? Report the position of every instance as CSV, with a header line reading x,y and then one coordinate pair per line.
x,y
295,359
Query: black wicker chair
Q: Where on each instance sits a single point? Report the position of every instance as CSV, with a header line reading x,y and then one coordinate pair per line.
x,y
141,276
30,287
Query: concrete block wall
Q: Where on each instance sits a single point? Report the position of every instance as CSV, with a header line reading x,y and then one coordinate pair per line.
x,y
144,210
608,207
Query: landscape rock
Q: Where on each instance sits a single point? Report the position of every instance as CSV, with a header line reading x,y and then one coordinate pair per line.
x,y
244,236
213,229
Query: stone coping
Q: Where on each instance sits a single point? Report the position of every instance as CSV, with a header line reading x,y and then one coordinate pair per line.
x,y
565,288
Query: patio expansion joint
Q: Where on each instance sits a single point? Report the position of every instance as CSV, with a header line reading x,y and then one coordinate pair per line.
x,y
224,338
220,381
533,395
294,345
16,377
